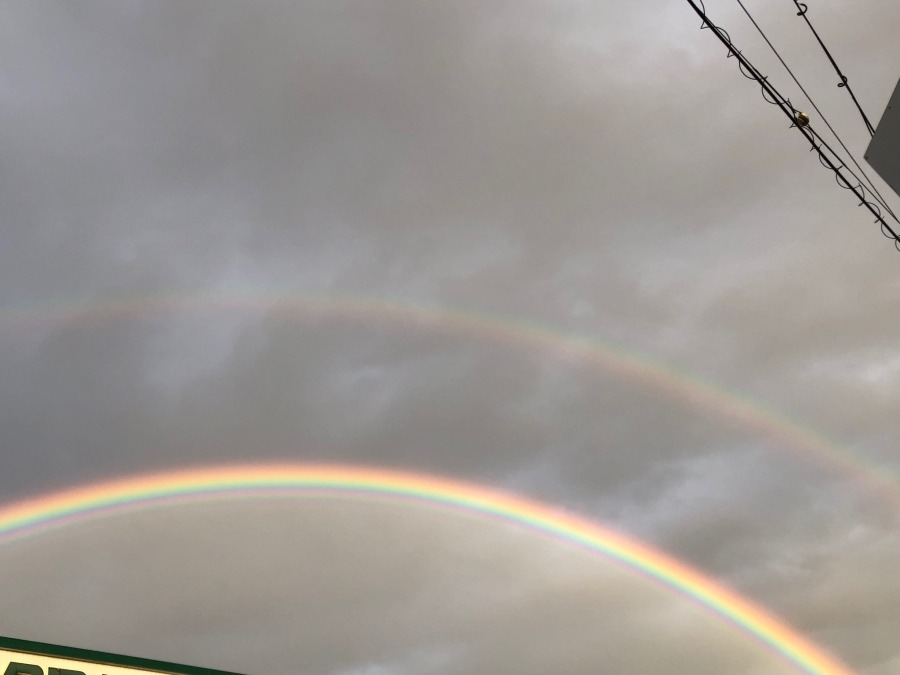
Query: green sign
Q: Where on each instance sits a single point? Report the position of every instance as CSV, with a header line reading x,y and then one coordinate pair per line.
x,y
23,657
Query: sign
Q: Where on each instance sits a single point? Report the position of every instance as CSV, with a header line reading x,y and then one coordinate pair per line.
x,y
23,657
884,150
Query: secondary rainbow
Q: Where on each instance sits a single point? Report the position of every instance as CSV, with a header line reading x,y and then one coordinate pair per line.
x,y
626,364
160,489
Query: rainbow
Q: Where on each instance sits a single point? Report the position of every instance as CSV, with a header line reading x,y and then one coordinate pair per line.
x,y
157,490
628,365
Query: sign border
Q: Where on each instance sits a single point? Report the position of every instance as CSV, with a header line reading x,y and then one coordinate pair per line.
x,y
93,657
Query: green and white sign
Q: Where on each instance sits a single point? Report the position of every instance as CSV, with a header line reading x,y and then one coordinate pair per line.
x,y
23,657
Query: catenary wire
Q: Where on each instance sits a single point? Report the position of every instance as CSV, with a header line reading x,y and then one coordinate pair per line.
x,y
881,200
827,156
802,10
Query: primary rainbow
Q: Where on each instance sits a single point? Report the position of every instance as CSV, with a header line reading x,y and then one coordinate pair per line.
x,y
629,365
145,491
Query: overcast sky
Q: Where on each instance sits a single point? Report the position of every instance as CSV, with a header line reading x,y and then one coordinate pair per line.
x,y
598,169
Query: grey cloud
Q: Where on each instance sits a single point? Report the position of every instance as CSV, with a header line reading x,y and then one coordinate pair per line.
x,y
321,586
599,168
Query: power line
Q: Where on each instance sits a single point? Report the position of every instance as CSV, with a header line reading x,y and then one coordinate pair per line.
x,y
802,9
881,200
827,156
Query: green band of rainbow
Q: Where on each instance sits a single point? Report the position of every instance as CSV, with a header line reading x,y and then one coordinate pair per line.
x,y
631,366
144,491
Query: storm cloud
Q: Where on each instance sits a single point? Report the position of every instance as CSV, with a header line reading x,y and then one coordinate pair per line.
x,y
422,235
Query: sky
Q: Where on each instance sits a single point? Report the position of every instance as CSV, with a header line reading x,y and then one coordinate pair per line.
x,y
560,248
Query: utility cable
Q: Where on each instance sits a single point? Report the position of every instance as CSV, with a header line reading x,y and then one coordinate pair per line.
x,y
881,200
802,9
827,156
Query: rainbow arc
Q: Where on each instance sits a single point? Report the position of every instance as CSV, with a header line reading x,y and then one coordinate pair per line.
x,y
159,490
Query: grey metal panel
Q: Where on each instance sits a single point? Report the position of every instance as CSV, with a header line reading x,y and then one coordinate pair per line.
x,y
883,152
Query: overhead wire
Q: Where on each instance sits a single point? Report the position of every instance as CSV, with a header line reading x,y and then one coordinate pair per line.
x,y
881,200
827,156
843,84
